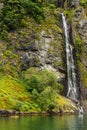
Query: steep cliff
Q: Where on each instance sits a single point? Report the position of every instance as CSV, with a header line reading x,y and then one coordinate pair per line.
x,y
80,23
78,19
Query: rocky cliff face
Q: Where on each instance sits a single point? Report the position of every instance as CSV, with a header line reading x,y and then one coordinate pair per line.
x,y
38,46
73,3
43,53
80,22
78,19
60,3
68,3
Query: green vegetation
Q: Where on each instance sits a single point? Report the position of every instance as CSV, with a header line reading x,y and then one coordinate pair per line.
x,y
13,13
39,80
83,72
43,86
83,3
81,56
79,45
15,94
69,13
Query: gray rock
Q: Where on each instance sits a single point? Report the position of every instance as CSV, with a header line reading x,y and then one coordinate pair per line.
x,y
43,53
73,3
1,5
78,14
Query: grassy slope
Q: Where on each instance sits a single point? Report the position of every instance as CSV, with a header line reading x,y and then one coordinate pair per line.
x,y
11,92
14,96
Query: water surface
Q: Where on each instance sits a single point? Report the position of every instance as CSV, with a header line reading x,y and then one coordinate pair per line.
x,y
44,123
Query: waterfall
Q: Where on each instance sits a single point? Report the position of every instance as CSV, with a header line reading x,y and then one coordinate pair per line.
x,y
71,75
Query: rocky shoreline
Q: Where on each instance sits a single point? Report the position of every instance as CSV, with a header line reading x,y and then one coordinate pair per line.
x,y
5,113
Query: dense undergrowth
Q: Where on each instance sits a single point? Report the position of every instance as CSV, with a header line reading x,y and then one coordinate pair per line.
x,y
32,94
14,12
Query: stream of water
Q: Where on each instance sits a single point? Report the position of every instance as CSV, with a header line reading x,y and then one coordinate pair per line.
x,y
71,75
72,92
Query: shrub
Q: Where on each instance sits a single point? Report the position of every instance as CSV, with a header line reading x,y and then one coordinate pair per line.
x,y
34,10
14,11
43,87
79,46
34,83
4,35
18,106
13,16
46,99
24,107
39,80
83,3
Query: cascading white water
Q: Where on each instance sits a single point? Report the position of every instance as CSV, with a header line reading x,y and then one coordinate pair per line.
x,y
71,75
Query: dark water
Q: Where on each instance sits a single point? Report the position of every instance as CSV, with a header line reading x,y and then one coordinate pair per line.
x,y
44,123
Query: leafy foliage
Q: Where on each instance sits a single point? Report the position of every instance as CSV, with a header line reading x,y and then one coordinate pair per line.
x,y
79,46
14,11
39,80
11,15
14,96
43,86
33,9
83,3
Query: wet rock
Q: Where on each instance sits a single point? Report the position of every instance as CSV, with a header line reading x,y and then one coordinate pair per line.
x,y
7,112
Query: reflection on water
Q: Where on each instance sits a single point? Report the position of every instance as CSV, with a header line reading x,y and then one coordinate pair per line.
x,y
78,122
